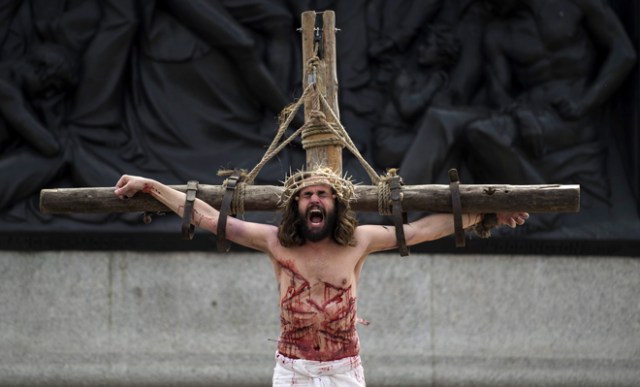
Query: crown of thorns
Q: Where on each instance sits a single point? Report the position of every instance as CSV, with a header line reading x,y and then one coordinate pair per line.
x,y
343,187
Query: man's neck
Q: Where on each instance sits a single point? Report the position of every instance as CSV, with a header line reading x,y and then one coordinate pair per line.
x,y
326,242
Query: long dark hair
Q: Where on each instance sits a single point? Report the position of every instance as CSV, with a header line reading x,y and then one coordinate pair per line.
x,y
289,229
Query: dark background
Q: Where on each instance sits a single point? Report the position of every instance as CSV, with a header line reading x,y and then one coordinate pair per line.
x,y
178,90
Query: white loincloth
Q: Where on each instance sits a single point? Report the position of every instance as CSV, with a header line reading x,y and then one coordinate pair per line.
x,y
336,373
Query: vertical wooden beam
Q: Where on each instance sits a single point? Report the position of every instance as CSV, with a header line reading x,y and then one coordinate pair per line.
x,y
330,60
308,37
326,80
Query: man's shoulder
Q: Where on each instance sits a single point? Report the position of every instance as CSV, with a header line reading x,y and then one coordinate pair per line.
x,y
367,232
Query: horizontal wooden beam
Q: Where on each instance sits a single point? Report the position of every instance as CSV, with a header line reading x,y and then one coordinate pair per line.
x,y
483,198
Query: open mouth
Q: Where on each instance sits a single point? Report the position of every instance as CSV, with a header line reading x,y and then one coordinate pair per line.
x,y
315,216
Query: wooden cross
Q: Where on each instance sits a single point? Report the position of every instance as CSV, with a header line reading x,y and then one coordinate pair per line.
x,y
480,198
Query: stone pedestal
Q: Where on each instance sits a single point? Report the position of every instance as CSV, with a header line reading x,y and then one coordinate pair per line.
x,y
124,318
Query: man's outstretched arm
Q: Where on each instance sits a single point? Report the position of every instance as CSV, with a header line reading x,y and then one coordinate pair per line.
x,y
249,234
437,226
430,228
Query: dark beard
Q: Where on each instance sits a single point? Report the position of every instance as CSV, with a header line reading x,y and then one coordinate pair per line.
x,y
318,235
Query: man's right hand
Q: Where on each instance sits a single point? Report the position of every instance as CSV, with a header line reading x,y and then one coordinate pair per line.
x,y
128,186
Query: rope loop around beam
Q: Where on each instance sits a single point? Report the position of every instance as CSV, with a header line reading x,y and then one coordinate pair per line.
x,y
237,201
318,126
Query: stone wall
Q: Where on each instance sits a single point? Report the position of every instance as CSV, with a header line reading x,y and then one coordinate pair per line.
x,y
187,319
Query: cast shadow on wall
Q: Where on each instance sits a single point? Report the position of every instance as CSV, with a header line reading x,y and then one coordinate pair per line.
x,y
514,92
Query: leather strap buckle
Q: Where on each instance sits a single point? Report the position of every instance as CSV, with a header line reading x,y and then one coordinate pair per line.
x,y
399,217
221,241
187,227
456,206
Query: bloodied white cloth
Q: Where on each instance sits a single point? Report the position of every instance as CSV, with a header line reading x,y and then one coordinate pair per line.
x,y
346,372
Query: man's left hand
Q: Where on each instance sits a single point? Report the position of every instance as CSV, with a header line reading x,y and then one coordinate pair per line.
x,y
512,219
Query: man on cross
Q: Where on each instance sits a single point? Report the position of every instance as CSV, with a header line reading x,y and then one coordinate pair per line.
x,y
317,252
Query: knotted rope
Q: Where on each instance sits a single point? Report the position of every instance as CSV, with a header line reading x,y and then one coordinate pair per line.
x,y
316,125
384,192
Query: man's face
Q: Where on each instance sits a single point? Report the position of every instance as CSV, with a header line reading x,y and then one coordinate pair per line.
x,y
316,208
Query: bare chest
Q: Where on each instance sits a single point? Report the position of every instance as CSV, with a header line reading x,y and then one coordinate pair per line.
x,y
317,291
326,268
318,302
